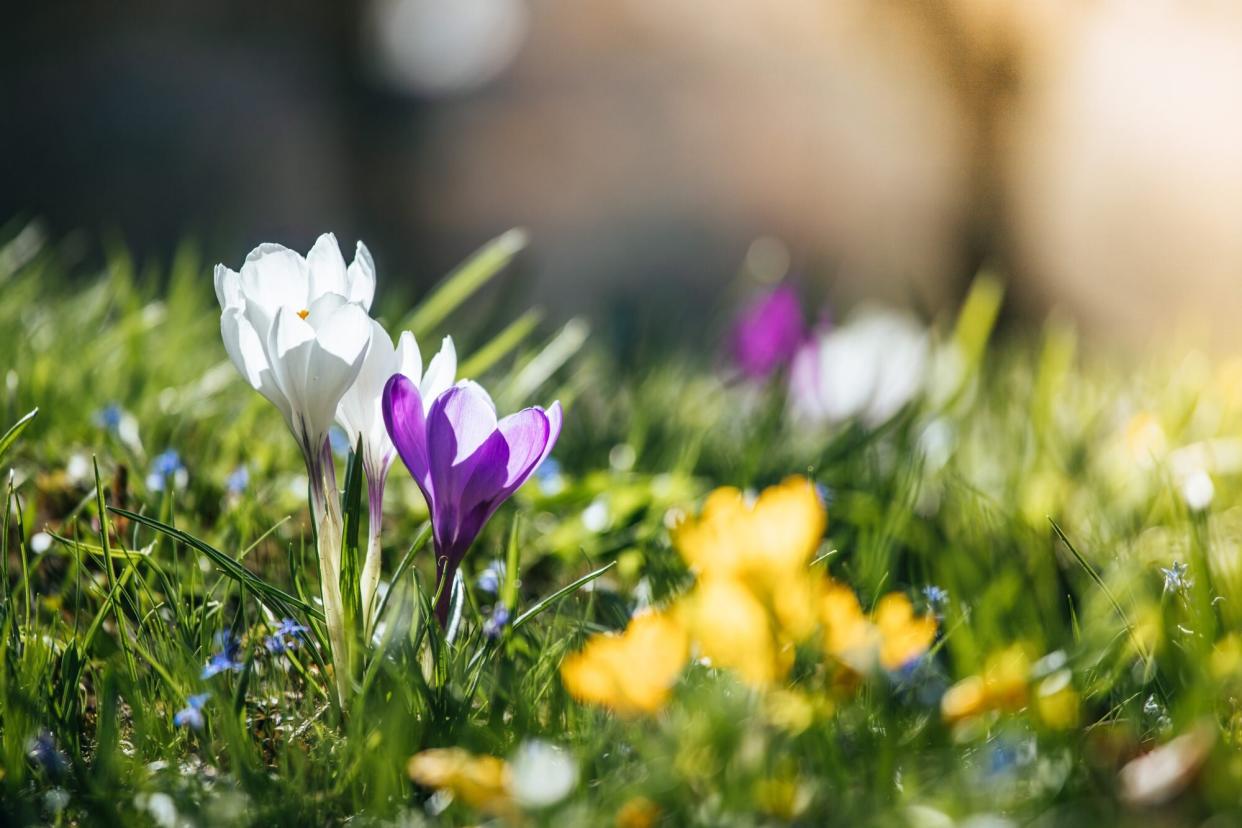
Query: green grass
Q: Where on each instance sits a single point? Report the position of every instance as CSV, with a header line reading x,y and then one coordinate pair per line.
x,y
1045,528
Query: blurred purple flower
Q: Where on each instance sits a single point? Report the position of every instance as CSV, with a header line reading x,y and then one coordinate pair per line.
x,y
465,461
767,334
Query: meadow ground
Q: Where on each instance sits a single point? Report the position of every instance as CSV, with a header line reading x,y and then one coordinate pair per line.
x,y
1010,596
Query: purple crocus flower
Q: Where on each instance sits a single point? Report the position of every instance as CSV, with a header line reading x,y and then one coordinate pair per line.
x,y
465,461
768,333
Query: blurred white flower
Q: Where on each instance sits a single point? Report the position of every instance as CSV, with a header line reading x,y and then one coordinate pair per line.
x,y
40,542
541,774
78,468
868,369
1198,491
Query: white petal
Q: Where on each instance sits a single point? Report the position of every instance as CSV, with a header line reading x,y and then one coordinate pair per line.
x,y
289,346
336,357
361,277
323,308
275,276
409,358
228,288
326,266
440,373
359,409
247,353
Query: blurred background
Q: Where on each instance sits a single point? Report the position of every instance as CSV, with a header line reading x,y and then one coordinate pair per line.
x,y
1091,152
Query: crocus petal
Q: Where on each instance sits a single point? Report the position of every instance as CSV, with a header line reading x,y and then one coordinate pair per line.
x,y
410,360
407,427
228,288
556,417
359,410
458,423
360,278
440,372
526,434
326,266
246,351
289,344
476,490
336,356
274,276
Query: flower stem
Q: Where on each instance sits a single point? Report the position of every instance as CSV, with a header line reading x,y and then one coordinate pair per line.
x,y
369,579
329,524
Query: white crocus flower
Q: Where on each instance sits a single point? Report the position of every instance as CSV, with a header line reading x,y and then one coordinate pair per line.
x,y
361,415
297,329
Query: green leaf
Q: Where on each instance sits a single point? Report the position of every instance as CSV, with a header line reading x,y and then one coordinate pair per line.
x,y
464,282
15,431
559,594
277,599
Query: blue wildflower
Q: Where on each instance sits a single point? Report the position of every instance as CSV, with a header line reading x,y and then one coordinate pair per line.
x,y
285,636
238,480
489,579
226,659
496,622
109,417
936,598
1175,577
166,467
192,714
43,752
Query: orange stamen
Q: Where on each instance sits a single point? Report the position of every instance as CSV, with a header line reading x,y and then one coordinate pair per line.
x,y
304,313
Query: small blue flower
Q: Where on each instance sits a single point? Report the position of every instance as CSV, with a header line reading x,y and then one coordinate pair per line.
x,y
166,467
109,417
1175,577
285,636
496,622
238,480
226,659
935,596
43,752
490,579
192,714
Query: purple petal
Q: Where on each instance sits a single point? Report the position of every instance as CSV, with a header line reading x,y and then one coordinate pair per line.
x,y
526,434
555,418
462,441
403,417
